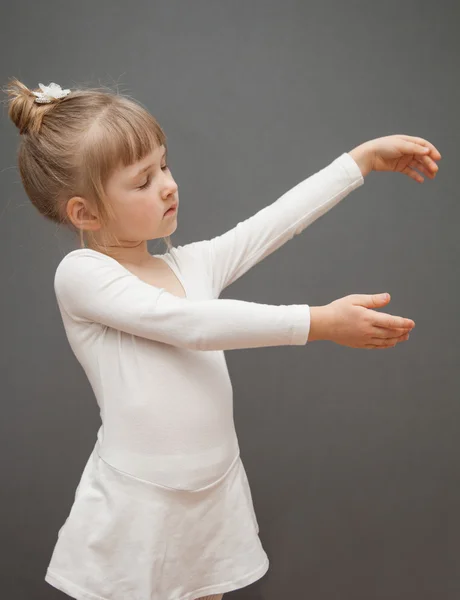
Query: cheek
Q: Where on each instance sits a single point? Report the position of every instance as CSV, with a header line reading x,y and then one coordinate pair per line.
x,y
143,210
146,212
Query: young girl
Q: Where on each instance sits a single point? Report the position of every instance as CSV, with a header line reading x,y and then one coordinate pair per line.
x,y
163,510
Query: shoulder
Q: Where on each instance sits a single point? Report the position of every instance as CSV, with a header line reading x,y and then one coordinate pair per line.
x,y
79,265
85,258
86,254
81,258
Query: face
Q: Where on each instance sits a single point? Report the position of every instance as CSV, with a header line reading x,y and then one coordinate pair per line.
x,y
140,195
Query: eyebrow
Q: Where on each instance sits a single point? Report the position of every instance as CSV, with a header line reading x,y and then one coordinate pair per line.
x,y
144,169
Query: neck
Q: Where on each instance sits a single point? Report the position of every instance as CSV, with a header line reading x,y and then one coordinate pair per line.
x,y
133,253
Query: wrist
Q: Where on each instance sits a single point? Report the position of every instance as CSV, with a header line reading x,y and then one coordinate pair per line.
x,y
320,323
363,155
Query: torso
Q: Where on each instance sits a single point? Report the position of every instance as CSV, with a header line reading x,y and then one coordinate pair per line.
x,y
158,274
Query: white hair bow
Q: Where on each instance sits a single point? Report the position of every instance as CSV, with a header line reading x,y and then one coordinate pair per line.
x,y
50,92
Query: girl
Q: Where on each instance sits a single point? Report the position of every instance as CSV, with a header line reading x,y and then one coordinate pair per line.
x,y
163,509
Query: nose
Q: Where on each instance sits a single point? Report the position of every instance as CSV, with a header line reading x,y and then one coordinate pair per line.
x,y
169,188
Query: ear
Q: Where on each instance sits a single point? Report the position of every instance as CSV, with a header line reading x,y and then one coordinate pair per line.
x,y
80,213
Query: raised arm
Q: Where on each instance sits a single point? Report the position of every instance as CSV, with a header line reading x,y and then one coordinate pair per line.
x,y
233,253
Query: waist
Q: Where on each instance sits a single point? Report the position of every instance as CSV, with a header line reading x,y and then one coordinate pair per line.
x,y
186,471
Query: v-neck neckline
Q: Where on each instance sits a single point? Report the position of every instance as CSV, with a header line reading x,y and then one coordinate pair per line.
x,y
176,272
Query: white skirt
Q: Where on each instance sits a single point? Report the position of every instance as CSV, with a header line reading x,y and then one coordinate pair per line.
x,y
130,539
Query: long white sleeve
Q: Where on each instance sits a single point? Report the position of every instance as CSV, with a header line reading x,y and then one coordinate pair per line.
x,y
92,287
233,253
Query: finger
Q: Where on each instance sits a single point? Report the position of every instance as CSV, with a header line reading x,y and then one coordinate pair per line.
x,y
413,174
414,148
434,152
427,169
393,343
372,347
383,346
428,162
391,322
386,333
370,300
393,339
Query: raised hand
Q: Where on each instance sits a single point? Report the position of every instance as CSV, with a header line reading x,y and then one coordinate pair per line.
x,y
399,153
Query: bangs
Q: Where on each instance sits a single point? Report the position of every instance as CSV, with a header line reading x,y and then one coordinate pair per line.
x,y
123,134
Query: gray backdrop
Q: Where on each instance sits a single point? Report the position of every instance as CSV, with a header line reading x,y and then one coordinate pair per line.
x,y
353,456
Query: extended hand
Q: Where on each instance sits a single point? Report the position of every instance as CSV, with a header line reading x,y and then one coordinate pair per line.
x,y
399,153
351,321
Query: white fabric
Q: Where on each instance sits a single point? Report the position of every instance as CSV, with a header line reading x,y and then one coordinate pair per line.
x,y
163,510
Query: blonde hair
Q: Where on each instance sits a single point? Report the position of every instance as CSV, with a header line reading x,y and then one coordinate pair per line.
x,y
70,147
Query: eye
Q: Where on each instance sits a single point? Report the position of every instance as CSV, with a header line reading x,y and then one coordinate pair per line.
x,y
146,184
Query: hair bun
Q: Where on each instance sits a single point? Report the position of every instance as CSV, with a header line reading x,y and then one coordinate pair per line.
x,y
25,113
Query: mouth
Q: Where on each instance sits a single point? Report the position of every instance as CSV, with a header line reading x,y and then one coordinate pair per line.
x,y
171,210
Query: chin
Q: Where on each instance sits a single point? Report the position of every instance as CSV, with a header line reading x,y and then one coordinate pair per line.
x,y
172,226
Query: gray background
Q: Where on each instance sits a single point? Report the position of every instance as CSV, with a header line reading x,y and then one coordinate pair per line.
x,y
353,456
